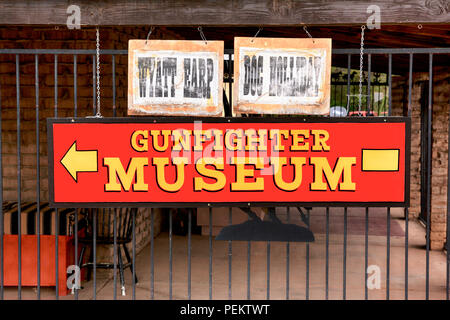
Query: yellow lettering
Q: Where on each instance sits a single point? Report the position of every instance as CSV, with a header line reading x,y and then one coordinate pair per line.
x,y
242,173
155,137
320,139
161,164
181,139
116,170
199,182
278,163
140,145
298,140
218,146
343,168
199,138
253,138
236,139
277,145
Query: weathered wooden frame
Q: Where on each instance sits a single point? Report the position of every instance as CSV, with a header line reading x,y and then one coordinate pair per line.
x,y
320,107
169,109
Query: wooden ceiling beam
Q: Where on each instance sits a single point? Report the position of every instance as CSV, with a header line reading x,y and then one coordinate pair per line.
x,y
223,12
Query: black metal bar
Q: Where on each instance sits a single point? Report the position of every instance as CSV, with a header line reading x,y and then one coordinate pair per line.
x,y
429,150
327,242
189,251
56,210
388,250
38,178
125,52
152,265
55,70
307,257
108,230
114,84
103,224
230,252
366,254
393,51
115,252
406,250
288,249
249,248
1,207
447,245
268,269
344,267
410,83
170,255
390,85
75,87
134,251
210,253
369,78
230,83
76,249
372,83
151,229
333,92
63,51
19,187
349,61
94,248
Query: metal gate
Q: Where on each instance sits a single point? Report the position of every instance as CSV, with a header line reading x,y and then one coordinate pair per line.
x,y
306,272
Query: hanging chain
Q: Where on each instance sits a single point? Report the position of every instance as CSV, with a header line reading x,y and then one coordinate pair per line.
x,y
361,61
99,114
202,34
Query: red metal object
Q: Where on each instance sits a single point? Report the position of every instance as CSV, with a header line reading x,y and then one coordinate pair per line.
x,y
29,260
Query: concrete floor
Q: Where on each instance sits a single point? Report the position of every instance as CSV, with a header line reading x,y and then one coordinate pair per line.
x,y
297,266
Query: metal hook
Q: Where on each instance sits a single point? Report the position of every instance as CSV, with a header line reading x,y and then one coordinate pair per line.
x,y
309,35
256,34
202,34
148,35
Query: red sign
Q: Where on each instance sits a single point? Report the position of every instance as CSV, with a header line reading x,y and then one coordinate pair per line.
x,y
229,161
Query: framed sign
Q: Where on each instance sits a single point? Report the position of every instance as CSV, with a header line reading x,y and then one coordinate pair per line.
x,y
296,161
282,76
175,77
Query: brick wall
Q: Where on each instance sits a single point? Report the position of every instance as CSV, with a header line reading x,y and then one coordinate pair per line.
x,y
50,38
59,38
441,89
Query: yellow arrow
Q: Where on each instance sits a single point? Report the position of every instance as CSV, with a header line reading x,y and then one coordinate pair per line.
x,y
79,161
